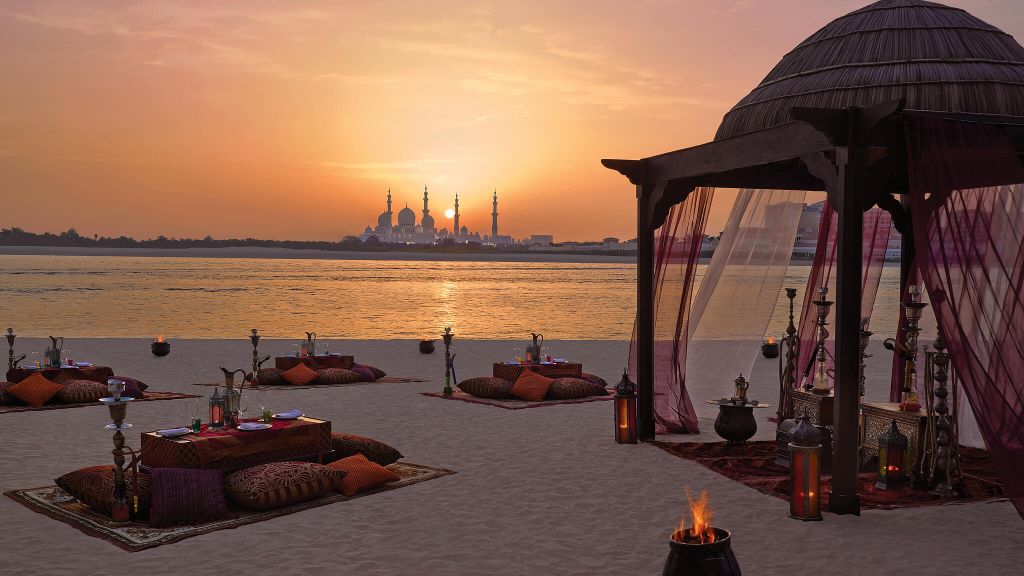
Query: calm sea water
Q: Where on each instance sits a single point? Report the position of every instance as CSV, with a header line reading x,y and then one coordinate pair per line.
x,y
113,296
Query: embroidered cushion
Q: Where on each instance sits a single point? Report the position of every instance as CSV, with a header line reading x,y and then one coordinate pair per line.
x,y
345,445
531,386
186,495
377,372
337,376
364,372
488,387
299,375
569,388
81,391
278,484
5,396
361,474
594,379
64,376
35,390
94,487
270,377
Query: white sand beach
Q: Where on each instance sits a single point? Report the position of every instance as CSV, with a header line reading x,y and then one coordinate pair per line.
x,y
540,491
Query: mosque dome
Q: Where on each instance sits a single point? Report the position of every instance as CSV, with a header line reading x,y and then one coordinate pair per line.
x,y
406,217
463,230
368,230
427,222
384,220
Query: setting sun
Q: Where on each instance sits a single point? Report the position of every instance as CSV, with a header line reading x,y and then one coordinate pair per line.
x,y
449,213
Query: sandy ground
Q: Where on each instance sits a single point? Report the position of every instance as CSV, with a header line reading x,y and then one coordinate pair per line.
x,y
541,491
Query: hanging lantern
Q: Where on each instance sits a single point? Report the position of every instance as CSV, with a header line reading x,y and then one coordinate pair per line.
x,y
625,411
218,405
805,472
892,458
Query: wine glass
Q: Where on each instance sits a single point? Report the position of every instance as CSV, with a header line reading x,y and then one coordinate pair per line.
x,y
517,353
35,359
68,357
243,406
265,406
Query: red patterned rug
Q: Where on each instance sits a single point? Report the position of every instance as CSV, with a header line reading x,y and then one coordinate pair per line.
x,y
513,404
150,397
384,380
753,465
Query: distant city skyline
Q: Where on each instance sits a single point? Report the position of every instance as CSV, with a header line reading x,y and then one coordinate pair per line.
x,y
290,119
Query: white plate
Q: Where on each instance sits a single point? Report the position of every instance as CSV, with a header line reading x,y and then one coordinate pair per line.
x,y
283,416
250,426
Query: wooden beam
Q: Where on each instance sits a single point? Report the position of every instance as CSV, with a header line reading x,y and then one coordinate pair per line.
x,y
631,169
645,311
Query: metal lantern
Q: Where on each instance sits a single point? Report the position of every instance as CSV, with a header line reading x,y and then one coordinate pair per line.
x,y
625,411
218,406
892,458
805,472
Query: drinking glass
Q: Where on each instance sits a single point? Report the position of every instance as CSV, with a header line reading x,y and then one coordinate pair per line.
x,y
243,406
193,415
67,357
265,410
517,353
35,360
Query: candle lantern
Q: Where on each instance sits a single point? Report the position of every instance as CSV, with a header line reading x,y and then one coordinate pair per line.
x,y
805,472
218,405
625,411
892,458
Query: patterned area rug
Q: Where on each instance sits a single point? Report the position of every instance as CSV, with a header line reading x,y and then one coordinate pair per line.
x,y
753,465
150,397
384,380
513,404
135,536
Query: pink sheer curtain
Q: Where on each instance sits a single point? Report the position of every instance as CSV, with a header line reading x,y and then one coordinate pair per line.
x,y
877,230
677,253
966,186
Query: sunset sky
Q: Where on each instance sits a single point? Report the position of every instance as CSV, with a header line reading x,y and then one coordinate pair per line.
x,y
291,119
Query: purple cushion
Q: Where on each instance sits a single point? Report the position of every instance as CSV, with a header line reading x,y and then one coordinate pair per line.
x,y
132,387
364,371
189,495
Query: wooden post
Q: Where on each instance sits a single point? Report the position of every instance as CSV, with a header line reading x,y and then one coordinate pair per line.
x,y
851,162
644,314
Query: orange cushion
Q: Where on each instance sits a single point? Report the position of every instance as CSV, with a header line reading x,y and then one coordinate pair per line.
x,y
531,385
299,375
361,474
35,390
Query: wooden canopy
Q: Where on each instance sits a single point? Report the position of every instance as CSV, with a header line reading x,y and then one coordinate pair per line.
x,y
830,117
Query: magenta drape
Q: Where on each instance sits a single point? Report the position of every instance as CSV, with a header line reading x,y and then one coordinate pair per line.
x,y
967,203
877,230
677,254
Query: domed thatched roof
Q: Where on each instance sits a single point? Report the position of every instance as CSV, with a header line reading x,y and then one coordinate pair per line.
x,y
936,57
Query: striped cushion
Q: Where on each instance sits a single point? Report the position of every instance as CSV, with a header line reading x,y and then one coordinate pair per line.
x,y
569,388
186,495
345,445
270,377
337,376
94,487
488,387
269,486
81,391
5,396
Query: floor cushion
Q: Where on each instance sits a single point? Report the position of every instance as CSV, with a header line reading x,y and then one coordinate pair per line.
x,y
278,484
531,386
35,390
299,375
594,379
5,396
132,387
488,387
345,445
377,372
337,376
570,388
94,487
361,474
270,377
186,495
364,372
81,391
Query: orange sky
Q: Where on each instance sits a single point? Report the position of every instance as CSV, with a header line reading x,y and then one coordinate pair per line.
x,y
291,119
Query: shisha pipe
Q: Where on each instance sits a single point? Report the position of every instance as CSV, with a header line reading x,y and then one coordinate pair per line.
x,y
12,362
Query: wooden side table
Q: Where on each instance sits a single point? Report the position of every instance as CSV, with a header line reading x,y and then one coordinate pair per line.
x,y
878,416
818,406
559,370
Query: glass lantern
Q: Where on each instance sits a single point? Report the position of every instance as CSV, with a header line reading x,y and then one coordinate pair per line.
x,y
625,411
892,459
218,406
805,472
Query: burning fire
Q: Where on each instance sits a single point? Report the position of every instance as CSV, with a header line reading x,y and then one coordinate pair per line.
x,y
160,338
700,518
770,340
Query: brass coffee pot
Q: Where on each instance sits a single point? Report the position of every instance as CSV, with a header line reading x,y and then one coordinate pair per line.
x,y
533,350
232,397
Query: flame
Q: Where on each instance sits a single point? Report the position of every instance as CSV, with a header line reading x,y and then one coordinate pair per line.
x,y
770,340
160,338
700,518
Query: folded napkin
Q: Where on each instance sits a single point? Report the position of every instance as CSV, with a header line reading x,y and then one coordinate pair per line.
x,y
174,431
558,360
252,426
83,364
289,414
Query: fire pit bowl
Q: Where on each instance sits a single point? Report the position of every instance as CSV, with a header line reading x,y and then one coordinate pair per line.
x,y
691,557
161,348
426,346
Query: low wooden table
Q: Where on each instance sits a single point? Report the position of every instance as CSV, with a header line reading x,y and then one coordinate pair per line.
x,y
878,417
304,438
94,373
818,406
553,370
314,362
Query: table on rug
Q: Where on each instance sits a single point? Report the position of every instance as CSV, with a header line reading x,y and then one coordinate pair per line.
x,y
314,362
878,417
299,439
551,370
818,406
94,373
735,422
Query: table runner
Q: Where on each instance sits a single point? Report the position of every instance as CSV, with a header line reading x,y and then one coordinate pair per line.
x,y
314,362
